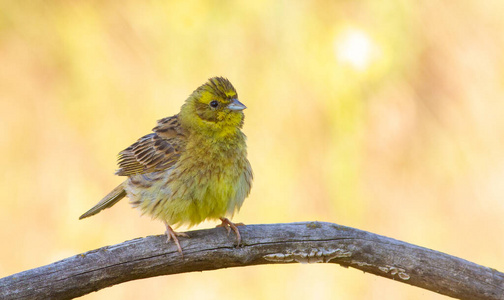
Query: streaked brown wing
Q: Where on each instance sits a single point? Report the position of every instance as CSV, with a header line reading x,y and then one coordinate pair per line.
x,y
154,152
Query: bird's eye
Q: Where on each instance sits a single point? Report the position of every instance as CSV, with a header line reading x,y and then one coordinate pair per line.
x,y
214,104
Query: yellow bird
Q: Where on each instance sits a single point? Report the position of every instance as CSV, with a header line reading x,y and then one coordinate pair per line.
x,y
193,167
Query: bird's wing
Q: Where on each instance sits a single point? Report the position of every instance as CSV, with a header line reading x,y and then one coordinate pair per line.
x,y
154,152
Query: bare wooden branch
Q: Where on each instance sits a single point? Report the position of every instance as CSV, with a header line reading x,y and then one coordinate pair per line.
x,y
212,249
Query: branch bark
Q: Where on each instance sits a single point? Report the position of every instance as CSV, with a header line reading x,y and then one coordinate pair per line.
x,y
211,249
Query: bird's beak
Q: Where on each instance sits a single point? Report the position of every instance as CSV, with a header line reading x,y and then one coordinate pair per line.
x,y
236,105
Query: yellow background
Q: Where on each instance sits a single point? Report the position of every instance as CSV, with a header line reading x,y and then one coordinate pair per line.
x,y
387,116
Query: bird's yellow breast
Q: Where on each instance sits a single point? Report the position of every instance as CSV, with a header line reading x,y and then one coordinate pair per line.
x,y
210,180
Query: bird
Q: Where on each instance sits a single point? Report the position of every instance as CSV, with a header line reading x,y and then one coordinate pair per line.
x,y
192,167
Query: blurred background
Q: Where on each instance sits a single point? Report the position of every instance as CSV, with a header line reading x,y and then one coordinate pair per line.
x,y
386,116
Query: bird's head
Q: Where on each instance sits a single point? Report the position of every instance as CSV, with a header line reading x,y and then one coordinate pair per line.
x,y
214,106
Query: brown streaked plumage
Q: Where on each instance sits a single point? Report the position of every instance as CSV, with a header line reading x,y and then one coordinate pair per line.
x,y
154,152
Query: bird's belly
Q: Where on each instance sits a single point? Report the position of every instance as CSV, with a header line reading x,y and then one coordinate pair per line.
x,y
189,199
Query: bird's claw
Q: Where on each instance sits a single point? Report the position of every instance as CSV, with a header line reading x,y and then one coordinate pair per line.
x,y
228,225
172,235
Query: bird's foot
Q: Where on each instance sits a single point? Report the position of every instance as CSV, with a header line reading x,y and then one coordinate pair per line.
x,y
230,225
172,235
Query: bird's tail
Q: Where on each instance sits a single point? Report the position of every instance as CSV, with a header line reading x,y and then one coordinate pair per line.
x,y
108,201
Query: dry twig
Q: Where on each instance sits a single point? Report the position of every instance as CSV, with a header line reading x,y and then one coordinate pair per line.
x,y
212,249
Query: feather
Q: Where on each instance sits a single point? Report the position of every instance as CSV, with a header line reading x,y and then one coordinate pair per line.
x,y
154,152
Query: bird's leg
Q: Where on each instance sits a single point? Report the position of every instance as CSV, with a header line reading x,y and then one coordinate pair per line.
x,y
230,225
172,235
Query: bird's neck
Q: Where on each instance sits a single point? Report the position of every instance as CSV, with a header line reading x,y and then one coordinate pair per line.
x,y
226,135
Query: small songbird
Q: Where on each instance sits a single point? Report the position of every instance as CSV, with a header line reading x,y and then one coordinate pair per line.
x,y
193,167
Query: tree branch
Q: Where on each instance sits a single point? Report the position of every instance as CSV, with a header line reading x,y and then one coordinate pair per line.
x,y
263,244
